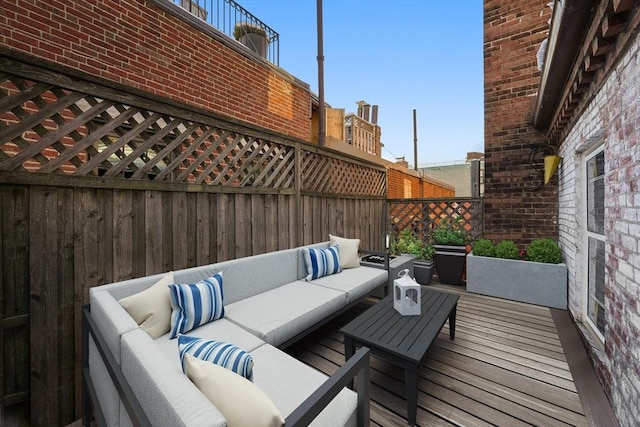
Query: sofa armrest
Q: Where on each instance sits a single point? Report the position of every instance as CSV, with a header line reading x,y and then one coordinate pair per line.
x,y
379,253
131,403
314,404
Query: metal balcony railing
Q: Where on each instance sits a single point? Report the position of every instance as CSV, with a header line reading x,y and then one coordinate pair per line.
x,y
238,23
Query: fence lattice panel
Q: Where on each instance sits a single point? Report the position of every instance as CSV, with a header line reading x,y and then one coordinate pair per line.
x,y
323,174
47,129
422,216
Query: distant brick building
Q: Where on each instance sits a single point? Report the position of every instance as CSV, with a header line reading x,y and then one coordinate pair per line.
x,y
583,105
403,183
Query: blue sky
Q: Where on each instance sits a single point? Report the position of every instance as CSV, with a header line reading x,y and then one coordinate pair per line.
x,y
398,54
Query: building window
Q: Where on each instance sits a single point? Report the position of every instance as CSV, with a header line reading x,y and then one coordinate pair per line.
x,y
595,240
407,188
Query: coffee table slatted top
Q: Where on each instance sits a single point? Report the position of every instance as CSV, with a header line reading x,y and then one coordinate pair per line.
x,y
407,337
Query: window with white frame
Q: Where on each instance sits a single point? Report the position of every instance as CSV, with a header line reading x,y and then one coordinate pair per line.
x,y
595,244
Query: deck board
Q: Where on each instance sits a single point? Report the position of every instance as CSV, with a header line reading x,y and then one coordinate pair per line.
x,y
505,367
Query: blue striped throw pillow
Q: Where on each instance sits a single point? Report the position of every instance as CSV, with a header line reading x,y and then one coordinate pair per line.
x,y
321,262
195,304
221,353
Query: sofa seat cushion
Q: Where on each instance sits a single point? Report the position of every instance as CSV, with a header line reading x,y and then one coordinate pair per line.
x,y
163,390
288,382
356,282
220,330
277,315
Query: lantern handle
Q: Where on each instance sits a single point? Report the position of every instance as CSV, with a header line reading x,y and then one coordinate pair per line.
x,y
403,273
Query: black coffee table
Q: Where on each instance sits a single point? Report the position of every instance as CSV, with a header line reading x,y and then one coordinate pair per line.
x,y
402,340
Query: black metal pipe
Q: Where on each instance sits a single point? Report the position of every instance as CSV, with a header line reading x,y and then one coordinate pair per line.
x,y
321,108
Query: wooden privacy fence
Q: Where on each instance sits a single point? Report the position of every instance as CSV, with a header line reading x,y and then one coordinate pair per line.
x,y
421,216
98,185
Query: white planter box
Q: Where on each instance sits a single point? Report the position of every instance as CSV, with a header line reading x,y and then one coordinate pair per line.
x,y
525,281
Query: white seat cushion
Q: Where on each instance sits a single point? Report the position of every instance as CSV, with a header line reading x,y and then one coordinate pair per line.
x,y
356,282
279,314
288,382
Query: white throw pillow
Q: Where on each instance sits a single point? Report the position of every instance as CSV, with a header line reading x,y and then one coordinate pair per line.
x,y
348,251
241,402
151,308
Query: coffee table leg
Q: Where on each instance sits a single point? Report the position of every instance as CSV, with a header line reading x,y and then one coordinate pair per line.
x,y
452,322
411,385
349,350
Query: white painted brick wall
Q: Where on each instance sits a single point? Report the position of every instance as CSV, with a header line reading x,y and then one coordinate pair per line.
x,y
616,111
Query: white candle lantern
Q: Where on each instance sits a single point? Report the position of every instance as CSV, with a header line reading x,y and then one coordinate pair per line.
x,y
406,295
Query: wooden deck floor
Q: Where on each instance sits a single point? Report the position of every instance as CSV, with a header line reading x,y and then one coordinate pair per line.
x,y
506,367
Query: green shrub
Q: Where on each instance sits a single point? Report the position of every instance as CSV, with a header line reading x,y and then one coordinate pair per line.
x,y
544,250
428,251
450,232
484,247
507,249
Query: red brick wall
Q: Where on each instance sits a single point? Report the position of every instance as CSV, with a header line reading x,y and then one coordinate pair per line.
x,y
134,43
431,189
420,188
514,208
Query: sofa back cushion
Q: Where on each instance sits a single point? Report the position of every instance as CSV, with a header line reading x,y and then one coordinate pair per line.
x,y
249,276
164,392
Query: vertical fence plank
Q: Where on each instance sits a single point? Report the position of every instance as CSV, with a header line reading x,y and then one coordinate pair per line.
x,y
225,246
167,223
14,300
139,233
316,220
180,236
153,232
123,235
257,224
45,399
105,236
271,222
191,236
307,220
283,220
68,346
242,224
204,218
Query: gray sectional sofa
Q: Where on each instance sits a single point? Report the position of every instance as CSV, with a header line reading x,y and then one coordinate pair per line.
x,y
268,306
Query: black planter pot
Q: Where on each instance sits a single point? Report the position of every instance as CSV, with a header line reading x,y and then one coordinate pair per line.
x,y
423,271
450,263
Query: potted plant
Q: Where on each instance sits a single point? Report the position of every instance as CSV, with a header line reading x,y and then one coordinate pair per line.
x,y
535,275
450,238
252,36
423,265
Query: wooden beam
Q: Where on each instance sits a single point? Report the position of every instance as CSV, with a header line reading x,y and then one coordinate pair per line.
x,y
593,63
622,5
585,77
601,46
613,25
